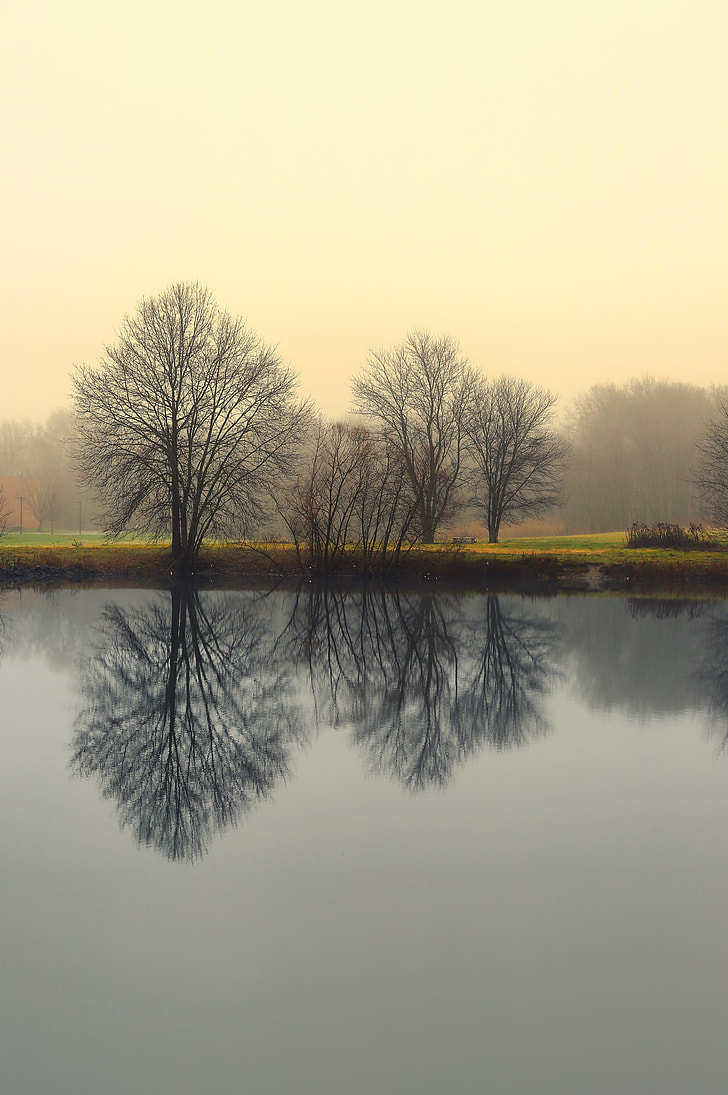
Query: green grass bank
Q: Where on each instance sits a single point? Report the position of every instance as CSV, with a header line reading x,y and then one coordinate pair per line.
x,y
585,562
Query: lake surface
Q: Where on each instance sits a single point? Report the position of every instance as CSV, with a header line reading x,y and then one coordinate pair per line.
x,y
334,842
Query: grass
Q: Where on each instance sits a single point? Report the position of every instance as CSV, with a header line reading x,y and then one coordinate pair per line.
x,y
580,561
61,536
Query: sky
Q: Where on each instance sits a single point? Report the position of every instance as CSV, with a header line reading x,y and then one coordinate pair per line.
x,y
544,180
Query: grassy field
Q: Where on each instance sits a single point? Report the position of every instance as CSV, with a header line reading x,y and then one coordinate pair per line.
x,y
598,561
595,541
44,539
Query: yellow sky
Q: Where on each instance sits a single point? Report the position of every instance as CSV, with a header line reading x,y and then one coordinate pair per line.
x,y
547,180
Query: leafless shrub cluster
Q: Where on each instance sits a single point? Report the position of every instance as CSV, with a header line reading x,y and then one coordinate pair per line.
x,y
350,495
665,535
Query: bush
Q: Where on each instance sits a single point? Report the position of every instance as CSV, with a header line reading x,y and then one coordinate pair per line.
x,y
666,535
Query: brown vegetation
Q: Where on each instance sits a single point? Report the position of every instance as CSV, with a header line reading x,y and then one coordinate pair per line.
x,y
475,567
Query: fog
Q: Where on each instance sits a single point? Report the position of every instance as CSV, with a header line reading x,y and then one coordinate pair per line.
x,y
545,182
631,459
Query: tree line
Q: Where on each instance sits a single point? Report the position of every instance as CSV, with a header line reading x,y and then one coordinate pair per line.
x,y
38,459
190,427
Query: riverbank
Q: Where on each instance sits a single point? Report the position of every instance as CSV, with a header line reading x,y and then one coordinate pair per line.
x,y
558,563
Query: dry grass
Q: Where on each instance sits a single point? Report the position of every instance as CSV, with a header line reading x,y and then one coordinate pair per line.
x,y
558,562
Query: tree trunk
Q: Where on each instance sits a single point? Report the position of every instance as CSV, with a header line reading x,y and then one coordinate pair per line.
x,y
428,532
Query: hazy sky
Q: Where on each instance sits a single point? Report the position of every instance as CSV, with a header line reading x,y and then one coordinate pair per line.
x,y
547,180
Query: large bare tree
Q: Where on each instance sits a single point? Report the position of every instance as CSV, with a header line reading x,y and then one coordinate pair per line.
x,y
518,456
710,473
185,421
416,394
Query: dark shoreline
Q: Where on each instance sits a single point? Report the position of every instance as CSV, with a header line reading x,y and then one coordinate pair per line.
x,y
542,574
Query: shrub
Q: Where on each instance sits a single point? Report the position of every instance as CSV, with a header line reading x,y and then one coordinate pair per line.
x,y
666,535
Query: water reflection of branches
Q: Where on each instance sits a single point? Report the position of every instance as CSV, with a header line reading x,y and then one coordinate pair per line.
x,y
660,608
514,658
713,674
424,680
3,629
185,722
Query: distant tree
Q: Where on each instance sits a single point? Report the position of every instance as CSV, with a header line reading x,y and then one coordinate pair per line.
x,y
185,422
39,456
44,496
517,455
15,442
632,450
710,472
4,512
416,395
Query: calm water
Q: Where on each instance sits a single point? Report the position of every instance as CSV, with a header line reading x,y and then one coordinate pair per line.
x,y
334,843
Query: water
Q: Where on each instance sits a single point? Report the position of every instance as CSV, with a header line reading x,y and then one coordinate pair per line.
x,y
327,843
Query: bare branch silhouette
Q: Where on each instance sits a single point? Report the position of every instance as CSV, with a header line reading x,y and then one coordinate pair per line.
x,y
186,723
185,422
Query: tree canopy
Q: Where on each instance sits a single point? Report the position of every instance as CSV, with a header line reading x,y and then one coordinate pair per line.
x,y
415,394
185,422
518,457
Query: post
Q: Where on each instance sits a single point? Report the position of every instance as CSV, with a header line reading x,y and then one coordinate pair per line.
x,y
19,498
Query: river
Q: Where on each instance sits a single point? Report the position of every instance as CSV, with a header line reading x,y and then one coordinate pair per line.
x,y
343,842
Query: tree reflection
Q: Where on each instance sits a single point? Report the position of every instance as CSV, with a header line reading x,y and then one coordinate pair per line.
x,y
712,676
514,659
425,681
3,628
185,723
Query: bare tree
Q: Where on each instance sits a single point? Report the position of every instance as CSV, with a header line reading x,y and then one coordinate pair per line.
x,y
4,512
386,512
518,456
45,499
632,447
15,442
320,505
416,394
185,421
711,468
349,494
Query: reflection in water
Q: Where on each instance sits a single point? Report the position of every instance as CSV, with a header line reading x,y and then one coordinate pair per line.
x,y
424,680
3,628
188,713
712,676
658,608
185,723
635,656
515,662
